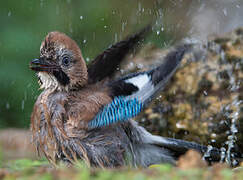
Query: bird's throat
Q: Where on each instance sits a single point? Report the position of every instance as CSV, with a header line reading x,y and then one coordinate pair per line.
x,y
47,81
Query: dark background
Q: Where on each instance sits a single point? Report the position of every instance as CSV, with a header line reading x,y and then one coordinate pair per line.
x,y
94,24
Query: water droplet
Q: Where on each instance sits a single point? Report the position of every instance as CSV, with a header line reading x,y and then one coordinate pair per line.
x,y
205,93
57,10
131,64
41,3
84,41
139,6
105,26
207,154
201,8
238,6
140,66
7,105
223,154
116,37
87,59
157,32
70,28
81,17
22,105
123,26
235,162
25,95
179,125
225,12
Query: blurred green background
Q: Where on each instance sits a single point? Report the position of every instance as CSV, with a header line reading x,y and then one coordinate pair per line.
x,y
93,24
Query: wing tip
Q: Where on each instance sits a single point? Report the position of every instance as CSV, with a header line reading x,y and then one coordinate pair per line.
x,y
183,47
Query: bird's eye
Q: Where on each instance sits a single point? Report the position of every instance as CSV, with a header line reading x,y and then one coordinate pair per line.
x,y
65,60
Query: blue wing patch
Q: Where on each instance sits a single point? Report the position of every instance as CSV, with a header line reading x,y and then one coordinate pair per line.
x,y
119,110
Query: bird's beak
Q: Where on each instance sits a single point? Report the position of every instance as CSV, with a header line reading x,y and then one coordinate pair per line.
x,y
42,64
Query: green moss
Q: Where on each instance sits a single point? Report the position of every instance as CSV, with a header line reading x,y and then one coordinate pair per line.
x,y
227,174
25,164
28,169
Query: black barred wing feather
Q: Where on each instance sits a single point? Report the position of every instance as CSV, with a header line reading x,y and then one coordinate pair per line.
x,y
106,63
132,93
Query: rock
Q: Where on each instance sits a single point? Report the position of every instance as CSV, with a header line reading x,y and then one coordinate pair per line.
x,y
192,159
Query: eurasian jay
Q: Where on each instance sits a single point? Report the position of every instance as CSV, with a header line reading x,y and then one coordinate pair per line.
x,y
83,114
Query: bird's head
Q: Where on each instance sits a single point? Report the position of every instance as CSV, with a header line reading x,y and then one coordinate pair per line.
x,y
61,64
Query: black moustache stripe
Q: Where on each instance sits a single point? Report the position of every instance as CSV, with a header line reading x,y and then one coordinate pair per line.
x,y
61,77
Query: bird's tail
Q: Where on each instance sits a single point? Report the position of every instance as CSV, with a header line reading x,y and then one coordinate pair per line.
x,y
151,149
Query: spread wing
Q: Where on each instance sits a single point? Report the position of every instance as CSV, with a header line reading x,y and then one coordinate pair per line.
x,y
132,93
106,63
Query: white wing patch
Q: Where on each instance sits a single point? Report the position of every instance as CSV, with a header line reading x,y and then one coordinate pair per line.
x,y
140,81
145,86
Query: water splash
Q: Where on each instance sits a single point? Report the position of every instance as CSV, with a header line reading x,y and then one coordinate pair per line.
x,y
208,153
233,116
223,154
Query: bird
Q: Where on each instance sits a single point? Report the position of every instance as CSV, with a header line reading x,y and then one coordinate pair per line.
x,y
85,114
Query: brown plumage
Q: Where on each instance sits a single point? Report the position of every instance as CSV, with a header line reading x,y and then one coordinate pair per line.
x,y
67,103
79,115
